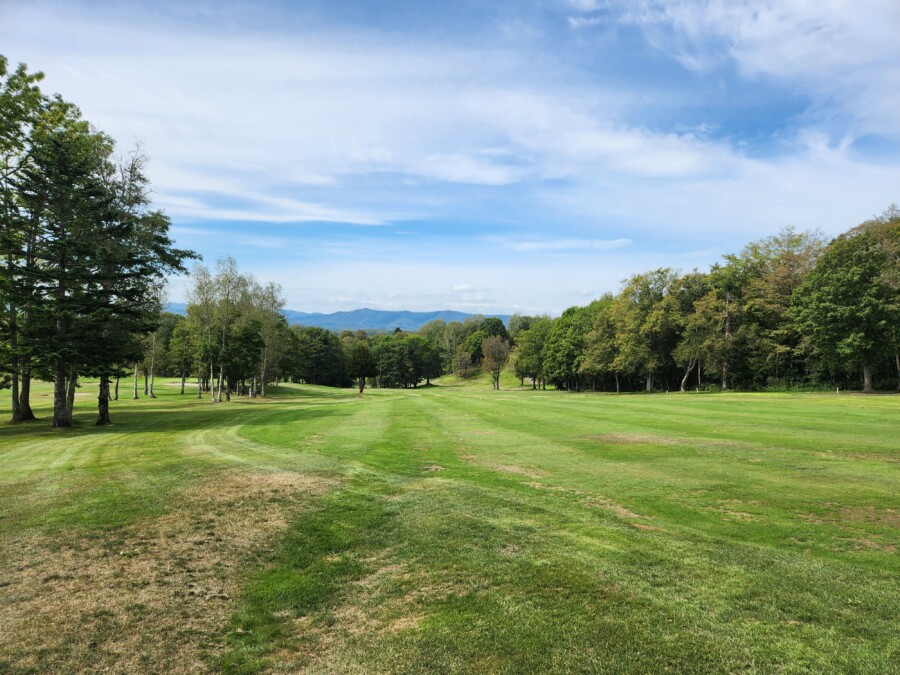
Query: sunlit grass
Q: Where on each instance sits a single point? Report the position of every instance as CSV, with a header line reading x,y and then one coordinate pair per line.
x,y
452,528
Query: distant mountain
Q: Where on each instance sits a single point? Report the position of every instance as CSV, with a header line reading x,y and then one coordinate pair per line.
x,y
364,319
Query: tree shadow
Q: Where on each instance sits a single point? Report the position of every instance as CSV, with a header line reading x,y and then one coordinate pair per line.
x,y
173,418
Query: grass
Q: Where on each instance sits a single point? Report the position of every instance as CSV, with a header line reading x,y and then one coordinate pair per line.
x,y
454,529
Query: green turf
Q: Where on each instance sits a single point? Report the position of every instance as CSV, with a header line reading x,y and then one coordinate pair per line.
x,y
466,530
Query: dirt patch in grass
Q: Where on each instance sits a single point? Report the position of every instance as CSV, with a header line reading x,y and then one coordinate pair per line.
x,y
505,468
518,470
729,508
869,514
868,543
404,623
150,597
853,516
610,505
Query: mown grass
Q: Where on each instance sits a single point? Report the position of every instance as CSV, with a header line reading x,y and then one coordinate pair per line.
x,y
456,529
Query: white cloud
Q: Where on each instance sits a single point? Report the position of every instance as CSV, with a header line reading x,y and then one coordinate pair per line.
x,y
843,53
322,109
260,208
584,21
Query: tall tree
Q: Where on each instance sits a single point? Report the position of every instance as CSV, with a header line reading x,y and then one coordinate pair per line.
x,y
530,350
20,105
601,347
229,285
846,305
360,363
494,352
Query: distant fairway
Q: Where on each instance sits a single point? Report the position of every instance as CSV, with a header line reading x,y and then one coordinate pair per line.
x,y
454,529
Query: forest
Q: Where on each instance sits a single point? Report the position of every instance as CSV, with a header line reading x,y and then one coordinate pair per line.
x,y
86,257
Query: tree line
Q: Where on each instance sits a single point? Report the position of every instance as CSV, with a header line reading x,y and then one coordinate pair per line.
x,y
789,311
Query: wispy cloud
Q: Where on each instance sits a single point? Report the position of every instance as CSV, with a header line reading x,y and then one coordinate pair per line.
x,y
585,21
259,210
843,54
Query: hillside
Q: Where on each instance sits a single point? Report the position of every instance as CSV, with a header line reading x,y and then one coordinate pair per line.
x,y
364,319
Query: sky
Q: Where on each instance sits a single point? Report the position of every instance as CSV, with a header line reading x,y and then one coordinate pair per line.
x,y
484,156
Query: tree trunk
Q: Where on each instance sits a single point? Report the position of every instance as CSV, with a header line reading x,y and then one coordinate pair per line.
x,y
199,386
103,401
24,363
262,376
727,341
867,379
897,358
618,389
70,393
13,347
146,382
687,374
897,361
183,380
135,397
25,411
220,383
13,333
649,386
362,384
152,364
60,419
116,396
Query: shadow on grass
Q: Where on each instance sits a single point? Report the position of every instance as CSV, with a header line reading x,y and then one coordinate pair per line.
x,y
165,415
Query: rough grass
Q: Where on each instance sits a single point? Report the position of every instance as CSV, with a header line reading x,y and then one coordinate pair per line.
x,y
454,529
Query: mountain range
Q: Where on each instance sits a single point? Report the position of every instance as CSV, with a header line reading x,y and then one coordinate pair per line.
x,y
364,319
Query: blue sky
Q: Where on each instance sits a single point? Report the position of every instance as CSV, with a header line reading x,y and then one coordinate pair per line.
x,y
483,156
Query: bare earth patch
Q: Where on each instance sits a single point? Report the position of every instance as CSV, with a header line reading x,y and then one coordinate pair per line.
x,y
390,599
610,505
505,468
868,543
728,508
518,470
152,596
870,514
